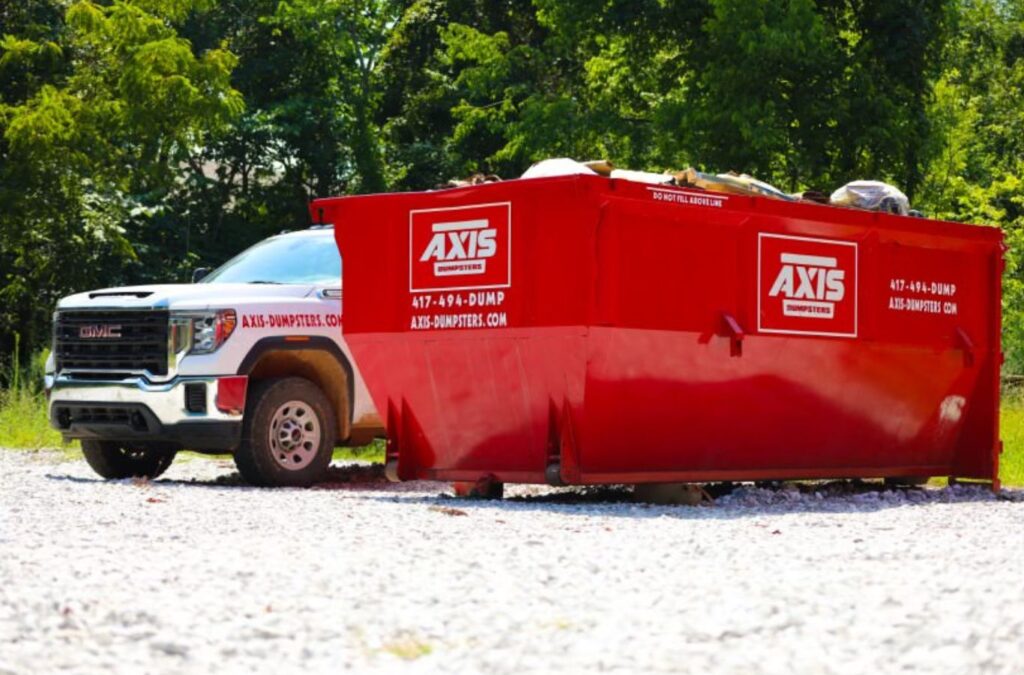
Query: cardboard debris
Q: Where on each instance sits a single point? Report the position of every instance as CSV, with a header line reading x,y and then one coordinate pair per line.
x,y
731,183
644,176
602,167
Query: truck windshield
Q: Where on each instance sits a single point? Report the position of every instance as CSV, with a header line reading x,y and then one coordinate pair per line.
x,y
295,259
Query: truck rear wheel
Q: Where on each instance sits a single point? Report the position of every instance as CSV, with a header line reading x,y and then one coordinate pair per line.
x,y
112,459
287,434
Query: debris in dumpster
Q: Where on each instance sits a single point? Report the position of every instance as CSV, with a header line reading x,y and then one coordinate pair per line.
x,y
811,196
559,166
871,195
737,184
644,176
864,194
475,179
731,182
602,167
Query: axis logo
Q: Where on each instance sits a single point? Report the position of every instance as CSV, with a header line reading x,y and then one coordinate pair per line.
x,y
807,286
810,285
461,247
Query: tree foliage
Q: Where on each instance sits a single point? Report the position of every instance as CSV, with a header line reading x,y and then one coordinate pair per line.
x,y
99,110
139,138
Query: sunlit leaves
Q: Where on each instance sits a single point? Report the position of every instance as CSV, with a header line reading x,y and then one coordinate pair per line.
x,y
96,124
45,124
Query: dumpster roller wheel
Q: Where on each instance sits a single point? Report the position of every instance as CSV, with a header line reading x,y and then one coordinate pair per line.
x,y
484,488
670,494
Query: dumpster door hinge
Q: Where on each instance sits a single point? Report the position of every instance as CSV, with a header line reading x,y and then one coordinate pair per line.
x,y
404,436
735,333
562,456
391,448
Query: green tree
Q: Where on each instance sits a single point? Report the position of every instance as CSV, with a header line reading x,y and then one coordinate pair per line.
x,y
338,50
102,107
127,155
976,172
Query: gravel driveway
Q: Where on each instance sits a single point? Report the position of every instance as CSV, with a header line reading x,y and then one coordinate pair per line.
x,y
195,573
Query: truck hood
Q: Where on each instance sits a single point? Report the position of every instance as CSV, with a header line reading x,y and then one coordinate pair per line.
x,y
185,296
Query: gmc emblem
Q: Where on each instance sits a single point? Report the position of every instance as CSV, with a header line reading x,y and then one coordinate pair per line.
x,y
100,332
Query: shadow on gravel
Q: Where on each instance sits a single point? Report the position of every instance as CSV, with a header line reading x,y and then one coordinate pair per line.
x,y
727,500
339,477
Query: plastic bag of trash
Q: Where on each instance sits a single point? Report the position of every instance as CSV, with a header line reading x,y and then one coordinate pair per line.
x,y
560,166
642,176
872,195
563,166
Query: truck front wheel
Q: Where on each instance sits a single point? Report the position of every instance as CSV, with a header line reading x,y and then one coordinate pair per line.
x,y
287,434
112,459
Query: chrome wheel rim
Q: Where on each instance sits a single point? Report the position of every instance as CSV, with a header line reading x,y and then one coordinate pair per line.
x,y
294,435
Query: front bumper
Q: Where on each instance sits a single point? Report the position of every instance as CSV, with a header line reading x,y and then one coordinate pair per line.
x,y
182,412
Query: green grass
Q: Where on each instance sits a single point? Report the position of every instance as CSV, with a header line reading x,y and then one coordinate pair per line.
x,y
407,648
374,452
1011,430
23,424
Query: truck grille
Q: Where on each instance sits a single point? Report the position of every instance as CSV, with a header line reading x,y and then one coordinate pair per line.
x,y
69,415
111,340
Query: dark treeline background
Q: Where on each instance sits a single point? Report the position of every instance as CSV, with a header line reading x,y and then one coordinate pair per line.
x,y
142,138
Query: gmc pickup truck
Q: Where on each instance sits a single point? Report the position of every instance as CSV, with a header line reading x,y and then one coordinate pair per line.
x,y
248,359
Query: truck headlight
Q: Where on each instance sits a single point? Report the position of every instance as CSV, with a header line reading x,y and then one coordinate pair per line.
x,y
53,333
211,329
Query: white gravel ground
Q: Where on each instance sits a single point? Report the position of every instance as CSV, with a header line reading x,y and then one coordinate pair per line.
x,y
188,575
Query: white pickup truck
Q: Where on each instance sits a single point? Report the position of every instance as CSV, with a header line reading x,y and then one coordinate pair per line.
x,y
249,359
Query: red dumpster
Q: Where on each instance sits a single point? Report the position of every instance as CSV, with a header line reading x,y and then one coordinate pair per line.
x,y
583,330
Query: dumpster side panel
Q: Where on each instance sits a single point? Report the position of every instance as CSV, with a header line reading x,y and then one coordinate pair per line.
x,y
879,386
486,351
803,410
979,447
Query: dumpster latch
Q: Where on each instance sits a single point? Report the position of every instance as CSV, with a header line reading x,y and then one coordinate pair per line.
x,y
963,341
735,334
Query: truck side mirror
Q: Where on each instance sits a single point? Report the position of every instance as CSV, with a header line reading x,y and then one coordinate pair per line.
x,y
199,273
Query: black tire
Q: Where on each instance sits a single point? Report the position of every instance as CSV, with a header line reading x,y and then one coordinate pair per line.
x,y
113,459
261,458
